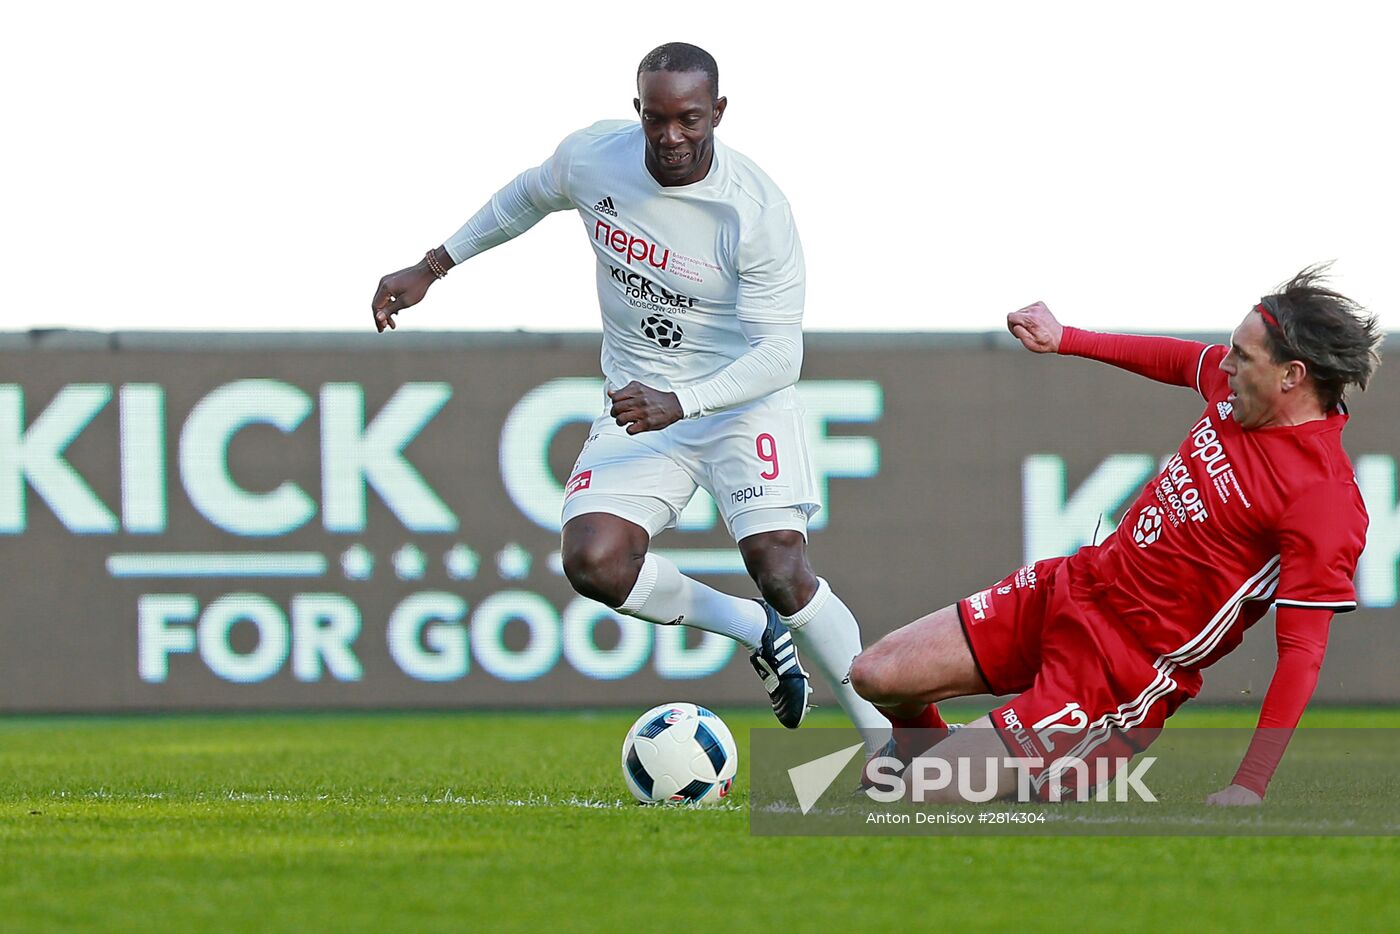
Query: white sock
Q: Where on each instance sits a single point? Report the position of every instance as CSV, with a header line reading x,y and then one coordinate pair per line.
x,y
828,637
664,595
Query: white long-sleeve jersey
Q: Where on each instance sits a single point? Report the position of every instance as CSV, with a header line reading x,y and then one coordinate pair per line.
x,y
701,286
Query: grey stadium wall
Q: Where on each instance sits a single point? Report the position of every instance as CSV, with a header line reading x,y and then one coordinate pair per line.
x,y
209,521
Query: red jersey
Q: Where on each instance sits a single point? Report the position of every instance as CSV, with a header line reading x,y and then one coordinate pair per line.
x,y
1236,520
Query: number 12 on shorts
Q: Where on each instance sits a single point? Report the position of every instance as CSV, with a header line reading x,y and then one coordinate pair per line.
x,y
768,453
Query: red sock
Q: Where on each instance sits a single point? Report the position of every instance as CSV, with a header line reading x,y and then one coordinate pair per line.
x,y
927,719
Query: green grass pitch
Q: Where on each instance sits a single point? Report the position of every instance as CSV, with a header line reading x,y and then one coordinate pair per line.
x,y
520,822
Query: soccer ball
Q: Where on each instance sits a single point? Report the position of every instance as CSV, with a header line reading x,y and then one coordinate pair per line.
x,y
663,331
681,753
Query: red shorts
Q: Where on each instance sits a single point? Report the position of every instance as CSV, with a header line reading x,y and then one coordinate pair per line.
x,y
1085,690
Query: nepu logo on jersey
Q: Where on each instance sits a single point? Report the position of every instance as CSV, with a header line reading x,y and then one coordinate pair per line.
x,y
1208,449
1149,526
632,247
642,289
606,206
662,331
1211,453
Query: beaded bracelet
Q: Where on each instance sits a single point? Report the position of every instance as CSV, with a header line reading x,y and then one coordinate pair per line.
x,y
434,266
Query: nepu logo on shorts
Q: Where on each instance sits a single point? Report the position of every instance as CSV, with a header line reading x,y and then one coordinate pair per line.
x,y
750,493
1018,732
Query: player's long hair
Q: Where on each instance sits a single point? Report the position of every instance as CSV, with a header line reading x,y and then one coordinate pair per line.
x,y
1336,337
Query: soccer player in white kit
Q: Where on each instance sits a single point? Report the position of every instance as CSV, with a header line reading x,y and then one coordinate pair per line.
x,y
701,283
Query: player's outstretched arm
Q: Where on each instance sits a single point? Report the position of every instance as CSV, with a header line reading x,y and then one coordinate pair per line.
x,y
1165,359
524,202
399,290
1036,328
1302,643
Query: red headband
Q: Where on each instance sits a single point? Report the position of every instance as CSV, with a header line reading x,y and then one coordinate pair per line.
x,y
1268,317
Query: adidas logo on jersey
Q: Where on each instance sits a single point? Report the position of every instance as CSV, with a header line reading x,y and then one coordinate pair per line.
x,y
1224,408
606,207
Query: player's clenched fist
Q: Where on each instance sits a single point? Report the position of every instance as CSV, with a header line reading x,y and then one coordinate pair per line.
x,y
640,408
1036,328
399,290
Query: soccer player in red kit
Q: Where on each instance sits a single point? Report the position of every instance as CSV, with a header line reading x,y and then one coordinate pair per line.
x,y
1258,507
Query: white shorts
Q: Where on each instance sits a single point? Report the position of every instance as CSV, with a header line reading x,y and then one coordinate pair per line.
x,y
753,460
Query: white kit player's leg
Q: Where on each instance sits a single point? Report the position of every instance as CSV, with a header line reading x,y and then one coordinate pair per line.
x,y
828,636
664,595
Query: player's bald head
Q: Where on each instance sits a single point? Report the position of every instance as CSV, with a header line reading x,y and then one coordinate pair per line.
x,y
681,56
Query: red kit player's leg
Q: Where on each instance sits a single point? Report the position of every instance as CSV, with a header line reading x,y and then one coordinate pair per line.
x,y
919,664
